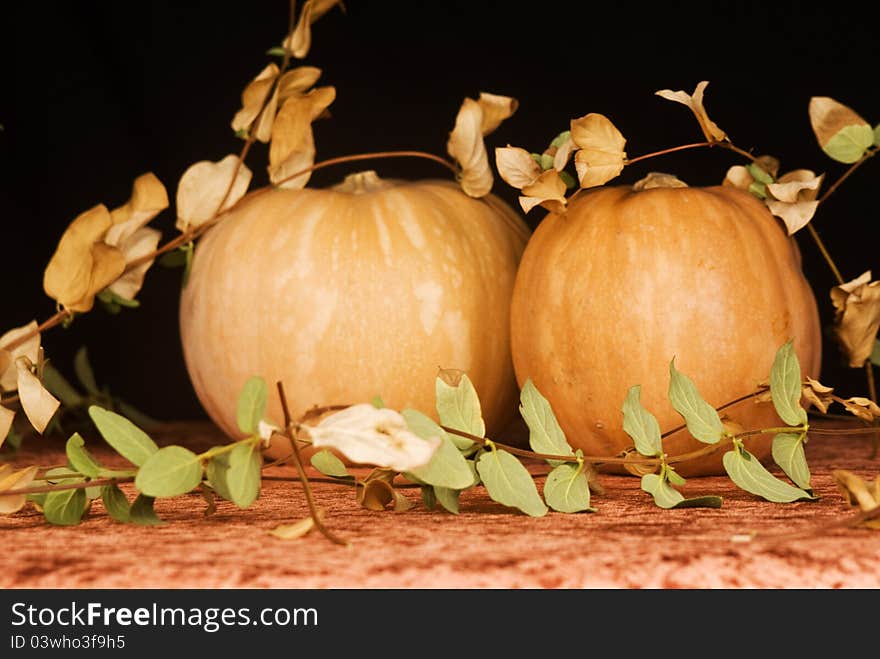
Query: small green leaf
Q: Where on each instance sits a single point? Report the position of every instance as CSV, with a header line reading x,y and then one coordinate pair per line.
x,y
567,489
65,507
245,474
116,503
171,471
641,425
142,513
561,139
788,453
750,475
875,353
709,501
674,477
758,189
127,439
850,143
328,464
251,405
877,135
665,496
701,418
429,499
377,402
80,459
509,483
216,472
60,387
785,386
84,373
459,407
447,467
115,302
568,179
242,133
545,433
544,161
173,259
277,51
759,174
447,498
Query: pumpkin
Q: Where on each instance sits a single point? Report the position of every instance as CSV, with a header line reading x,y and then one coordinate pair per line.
x,y
346,293
609,292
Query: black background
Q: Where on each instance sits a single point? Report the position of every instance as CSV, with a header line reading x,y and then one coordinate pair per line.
x,y
96,93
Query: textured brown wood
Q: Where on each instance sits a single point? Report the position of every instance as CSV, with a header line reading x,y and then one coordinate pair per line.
x,y
629,543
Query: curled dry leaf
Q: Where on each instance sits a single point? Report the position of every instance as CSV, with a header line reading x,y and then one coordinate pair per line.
x,y
857,317
29,348
369,435
142,242
841,133
516,166
817,393
83,264
299,41
475,120
14,480
863,408
794,198
659,180
293,145
203,186
295,530
6,417
252,99
547,191
38,404
563,152
859,493
600,156
296,81
148,199
695,102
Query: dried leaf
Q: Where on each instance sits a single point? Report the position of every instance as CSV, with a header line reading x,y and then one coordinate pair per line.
x,y
295,530
817,393
82,265
516,166
148,199
659,180
695,102
858,493
293,147
38,404
863,408
369,435
738,176
841,133
29,349
375,494
6,417
300,40
547,191
496,109
297,81
252,99
600,157
12,503
797,185
144,241
563,153
795,216
857,317
203,186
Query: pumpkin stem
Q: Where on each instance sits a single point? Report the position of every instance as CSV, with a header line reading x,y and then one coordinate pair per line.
x,y
361,183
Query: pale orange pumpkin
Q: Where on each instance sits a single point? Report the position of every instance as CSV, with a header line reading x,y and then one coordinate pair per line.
x,y
359,290
623,282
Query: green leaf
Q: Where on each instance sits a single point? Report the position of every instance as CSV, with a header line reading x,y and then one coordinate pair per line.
x,y
544,161
447,498
377,402
665,496
447,467
750,475
459,408
701,418
545,433
80,459
877,135
875,353
759,174
429,499
216,472
785,386
850,143
276,51
641,425
509,483
567,489
171,471
561,139
142,513
65,507
244,475
127,439
251,405
328,464
116,503
788,453
674,477
60,387
111,299
84,373
758,189
173,259
568,179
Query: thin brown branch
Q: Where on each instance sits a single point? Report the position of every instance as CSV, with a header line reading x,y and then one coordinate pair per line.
x,y
849,172
39,489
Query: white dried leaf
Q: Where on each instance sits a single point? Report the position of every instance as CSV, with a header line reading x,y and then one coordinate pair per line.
x,y
695,102
600,155
203,186
29,349
16,480
142,242
516,166
6,417
38,404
